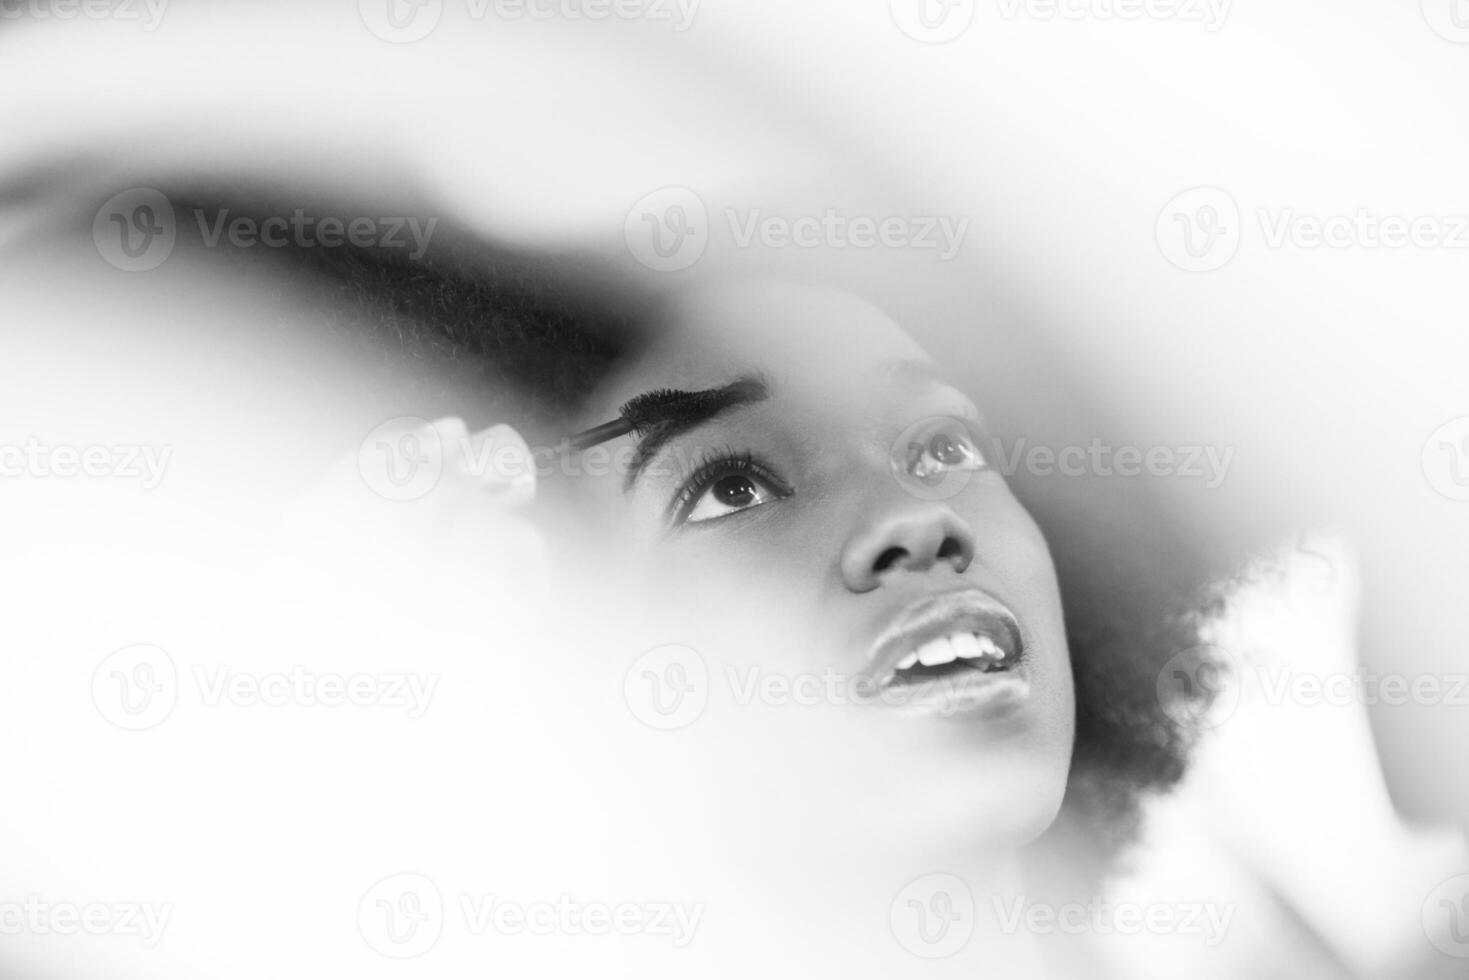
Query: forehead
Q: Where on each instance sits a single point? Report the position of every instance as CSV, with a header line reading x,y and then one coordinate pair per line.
x,y
801,339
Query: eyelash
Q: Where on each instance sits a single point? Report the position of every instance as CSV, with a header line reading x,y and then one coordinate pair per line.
x,y
709,467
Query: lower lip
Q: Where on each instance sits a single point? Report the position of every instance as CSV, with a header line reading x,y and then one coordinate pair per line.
x,y
970,693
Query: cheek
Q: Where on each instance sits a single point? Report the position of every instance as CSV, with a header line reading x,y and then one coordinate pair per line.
x,y
758,587
742,568
1010,543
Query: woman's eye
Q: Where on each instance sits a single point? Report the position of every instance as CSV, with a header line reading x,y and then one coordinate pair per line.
x,y
951,450
730,494
948,450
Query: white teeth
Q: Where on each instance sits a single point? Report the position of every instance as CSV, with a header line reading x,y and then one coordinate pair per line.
x,y
936,653
965,644
957,646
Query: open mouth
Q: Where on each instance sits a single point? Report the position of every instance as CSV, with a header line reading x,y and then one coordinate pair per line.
x,y
952,650
946,656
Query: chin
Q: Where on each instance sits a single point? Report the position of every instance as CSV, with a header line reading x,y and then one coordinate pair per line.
x,y
995,787
961,805
1007,805
1023,806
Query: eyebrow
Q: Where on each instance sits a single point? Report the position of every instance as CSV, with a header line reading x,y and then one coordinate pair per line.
x,y
916,373
670,418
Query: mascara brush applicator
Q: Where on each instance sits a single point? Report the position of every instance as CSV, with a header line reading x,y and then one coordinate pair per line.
x,y
666,406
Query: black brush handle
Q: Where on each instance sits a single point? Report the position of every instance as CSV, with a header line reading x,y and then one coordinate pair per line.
x,y
607,430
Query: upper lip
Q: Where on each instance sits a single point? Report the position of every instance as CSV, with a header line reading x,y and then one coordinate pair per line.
x,y
939,615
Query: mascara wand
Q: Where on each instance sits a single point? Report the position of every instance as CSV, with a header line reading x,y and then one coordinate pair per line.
x,y
665,406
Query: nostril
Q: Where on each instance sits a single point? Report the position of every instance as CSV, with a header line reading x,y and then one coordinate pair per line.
x,y
911,540
951,549
888,559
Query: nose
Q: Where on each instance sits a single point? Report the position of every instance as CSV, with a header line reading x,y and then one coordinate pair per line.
x,y
917,538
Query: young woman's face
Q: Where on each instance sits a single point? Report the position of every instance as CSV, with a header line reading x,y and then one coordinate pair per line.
x,y
832,519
